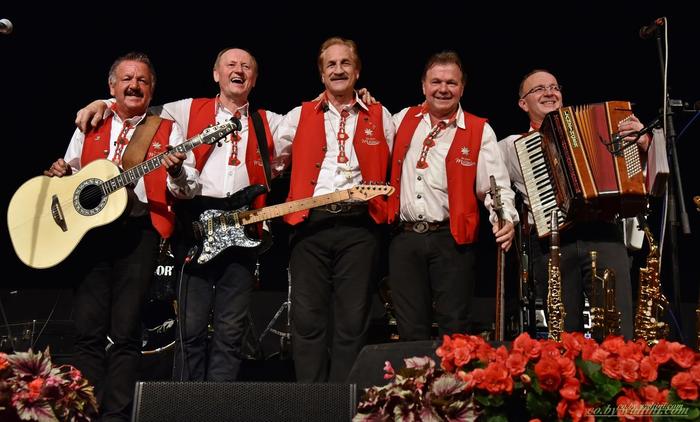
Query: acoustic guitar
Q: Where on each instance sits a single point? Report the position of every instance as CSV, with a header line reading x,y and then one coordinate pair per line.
x,y
48,216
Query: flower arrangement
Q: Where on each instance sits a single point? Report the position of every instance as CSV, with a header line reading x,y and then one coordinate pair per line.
x,y
32,389
574,379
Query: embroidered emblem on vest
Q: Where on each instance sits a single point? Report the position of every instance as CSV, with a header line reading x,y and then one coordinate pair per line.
x,y
369,138
464,160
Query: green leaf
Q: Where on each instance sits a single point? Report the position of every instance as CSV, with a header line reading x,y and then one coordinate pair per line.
x,y
538,405
607,391
489,400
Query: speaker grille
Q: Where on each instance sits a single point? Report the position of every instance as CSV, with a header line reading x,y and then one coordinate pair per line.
x,y
211,401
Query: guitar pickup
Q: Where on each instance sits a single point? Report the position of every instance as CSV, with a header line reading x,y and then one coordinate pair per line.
x,y
57,213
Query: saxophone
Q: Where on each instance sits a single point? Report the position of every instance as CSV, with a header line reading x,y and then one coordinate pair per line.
x,y
555,307
605,318
652,302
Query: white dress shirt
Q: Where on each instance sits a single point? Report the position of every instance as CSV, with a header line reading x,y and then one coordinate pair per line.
x,y
335,176
218,178
510,156
424,191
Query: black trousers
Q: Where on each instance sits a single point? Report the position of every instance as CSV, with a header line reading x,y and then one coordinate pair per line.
x,y
334,261
576,244
431,278
117,264
219,291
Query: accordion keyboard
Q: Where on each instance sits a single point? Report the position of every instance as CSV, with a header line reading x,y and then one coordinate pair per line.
x,y
538,184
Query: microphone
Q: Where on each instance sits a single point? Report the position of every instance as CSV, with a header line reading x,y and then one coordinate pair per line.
x,y
6,26
648,31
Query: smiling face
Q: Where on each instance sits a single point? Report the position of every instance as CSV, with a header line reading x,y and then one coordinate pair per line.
x,y
236,71
443,87
538,104
131,84
339,69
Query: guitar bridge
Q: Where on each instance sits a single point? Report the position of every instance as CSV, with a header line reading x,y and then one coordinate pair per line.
x,y
57,213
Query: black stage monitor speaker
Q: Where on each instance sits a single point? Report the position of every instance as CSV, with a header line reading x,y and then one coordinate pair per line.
x,y
242,401
368,369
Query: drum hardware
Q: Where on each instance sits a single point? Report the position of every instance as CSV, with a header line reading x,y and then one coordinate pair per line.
x,y
384,292
285,336
251,347
159,312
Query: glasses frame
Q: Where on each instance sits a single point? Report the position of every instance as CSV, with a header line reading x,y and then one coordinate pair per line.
x,y
552,87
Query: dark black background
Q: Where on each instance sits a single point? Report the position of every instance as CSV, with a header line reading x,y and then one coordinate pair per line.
x,y
58,57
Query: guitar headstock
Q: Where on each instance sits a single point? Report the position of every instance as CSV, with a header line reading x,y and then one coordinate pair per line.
x,y
367,192
217,132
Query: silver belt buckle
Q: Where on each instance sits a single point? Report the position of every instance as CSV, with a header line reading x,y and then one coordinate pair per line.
x,y
420,227
334,208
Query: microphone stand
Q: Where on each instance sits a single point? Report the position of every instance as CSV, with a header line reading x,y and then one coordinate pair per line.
x,y
676,204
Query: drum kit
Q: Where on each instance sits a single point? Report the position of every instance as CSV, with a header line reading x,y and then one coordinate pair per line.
x,y
159,316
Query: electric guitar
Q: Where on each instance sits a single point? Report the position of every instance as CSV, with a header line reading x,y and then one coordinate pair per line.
x,y
219,230
48,216
500,264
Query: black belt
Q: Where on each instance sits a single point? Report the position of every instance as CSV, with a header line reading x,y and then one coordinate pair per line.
x,y
423,226
343,207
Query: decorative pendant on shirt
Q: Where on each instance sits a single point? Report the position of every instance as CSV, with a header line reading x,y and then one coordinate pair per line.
x,y
342,137
121,142
235,137
233,159
428,143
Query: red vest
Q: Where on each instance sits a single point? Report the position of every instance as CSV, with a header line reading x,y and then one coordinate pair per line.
x,y
202,115
309,149
96,146
461,178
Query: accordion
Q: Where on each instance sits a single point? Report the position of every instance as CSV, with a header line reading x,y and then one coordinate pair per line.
x,y
578,164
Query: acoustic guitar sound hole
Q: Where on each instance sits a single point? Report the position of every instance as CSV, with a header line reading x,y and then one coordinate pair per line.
x,y
90,197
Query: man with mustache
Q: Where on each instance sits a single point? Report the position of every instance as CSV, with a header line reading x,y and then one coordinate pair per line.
x,y
337,142
115,262
441,163
540,93
223,287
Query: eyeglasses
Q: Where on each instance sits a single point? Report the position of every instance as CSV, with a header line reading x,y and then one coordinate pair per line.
x,y
540,89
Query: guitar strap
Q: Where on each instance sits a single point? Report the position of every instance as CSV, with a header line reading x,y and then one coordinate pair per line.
x,y
138,145
262,144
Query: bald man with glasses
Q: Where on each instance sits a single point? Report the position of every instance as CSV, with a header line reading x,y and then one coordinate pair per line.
x,y
539,94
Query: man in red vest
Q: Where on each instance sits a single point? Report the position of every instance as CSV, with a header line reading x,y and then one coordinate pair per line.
x,y
115,262
539,94
222,288
337,142
441,163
